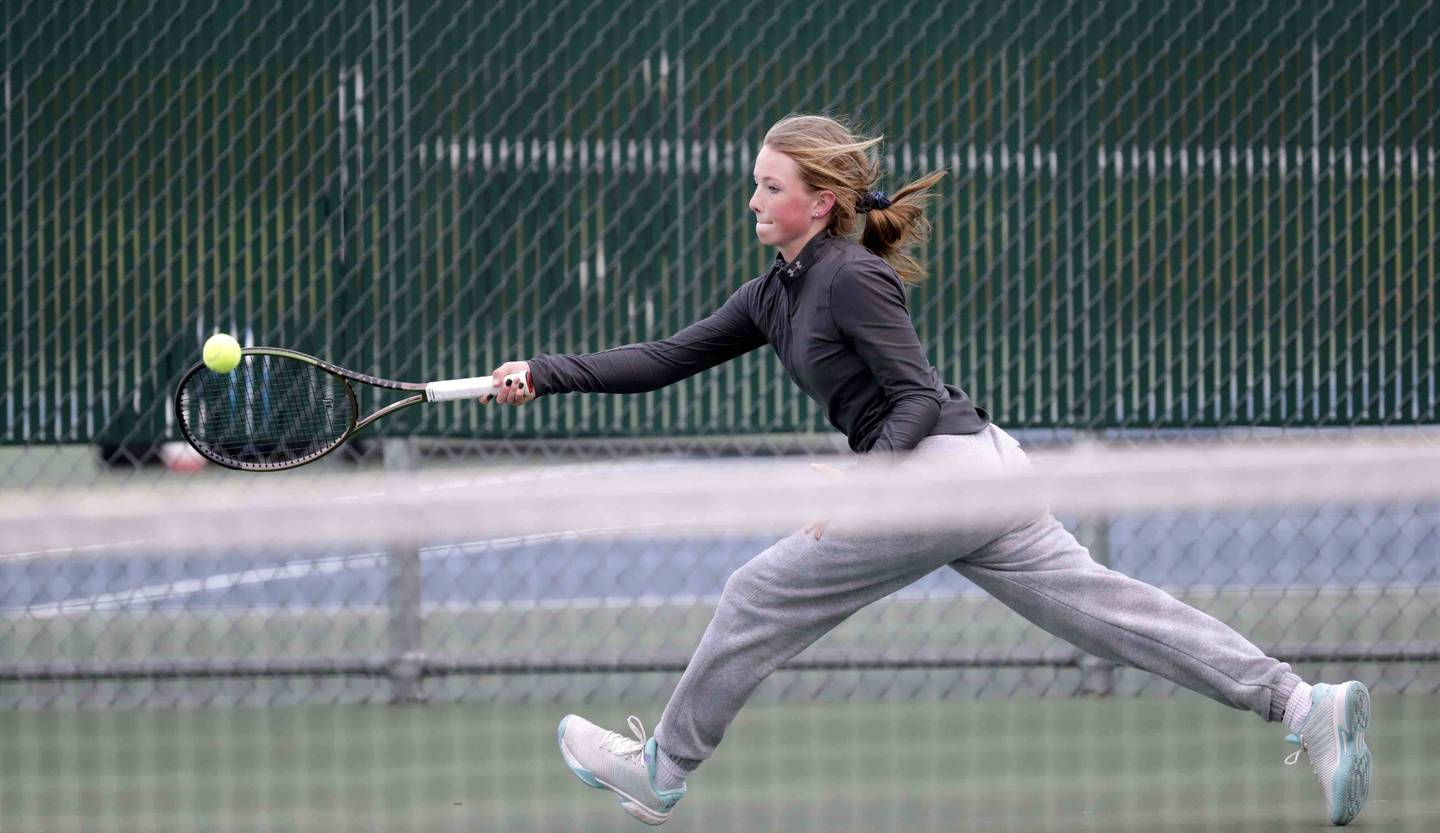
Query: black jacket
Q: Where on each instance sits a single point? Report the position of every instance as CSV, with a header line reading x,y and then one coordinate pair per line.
x,y
838,319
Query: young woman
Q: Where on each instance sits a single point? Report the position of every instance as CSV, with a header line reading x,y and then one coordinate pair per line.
x,y
835,311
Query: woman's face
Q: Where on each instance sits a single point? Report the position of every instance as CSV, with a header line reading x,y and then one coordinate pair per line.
x,y
787,214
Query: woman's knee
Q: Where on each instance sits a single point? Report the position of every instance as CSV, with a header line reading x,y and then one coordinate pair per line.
x,y
744,588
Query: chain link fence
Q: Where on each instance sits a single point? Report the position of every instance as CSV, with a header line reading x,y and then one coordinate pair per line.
x,y
1172,220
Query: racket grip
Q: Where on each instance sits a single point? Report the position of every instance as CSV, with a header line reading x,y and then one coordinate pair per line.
x,y
472,388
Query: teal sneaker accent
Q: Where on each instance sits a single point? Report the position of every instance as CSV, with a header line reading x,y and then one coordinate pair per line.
x,y
622,765
1334,739
667,797
1351,781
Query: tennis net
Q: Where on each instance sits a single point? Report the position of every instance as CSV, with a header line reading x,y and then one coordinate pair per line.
x,y
394,649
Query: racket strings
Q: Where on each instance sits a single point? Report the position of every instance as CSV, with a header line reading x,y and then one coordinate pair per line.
x,y
269,411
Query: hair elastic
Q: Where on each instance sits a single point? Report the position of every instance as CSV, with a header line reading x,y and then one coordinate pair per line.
x,y
871,200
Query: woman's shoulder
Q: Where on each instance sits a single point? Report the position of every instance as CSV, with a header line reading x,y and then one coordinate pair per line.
x,y
854,261
850,252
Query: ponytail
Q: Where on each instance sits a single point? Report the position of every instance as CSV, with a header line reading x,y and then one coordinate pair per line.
x,y
893,231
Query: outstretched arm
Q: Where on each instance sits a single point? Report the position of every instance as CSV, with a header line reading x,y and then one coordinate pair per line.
x,y
636,368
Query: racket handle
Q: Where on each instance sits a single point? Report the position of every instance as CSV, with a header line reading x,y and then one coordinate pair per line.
x,y
472,388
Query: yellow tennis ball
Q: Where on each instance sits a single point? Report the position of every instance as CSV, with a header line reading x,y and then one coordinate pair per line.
x,y
222,353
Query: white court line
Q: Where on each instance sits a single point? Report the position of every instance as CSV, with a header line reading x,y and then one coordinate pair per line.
x,y
163,591
187,587
21,556
562,472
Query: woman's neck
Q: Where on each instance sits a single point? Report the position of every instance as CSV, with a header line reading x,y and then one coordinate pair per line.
x,y
794,249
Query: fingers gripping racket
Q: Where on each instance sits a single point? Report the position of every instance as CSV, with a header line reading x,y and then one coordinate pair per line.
x,y
280,409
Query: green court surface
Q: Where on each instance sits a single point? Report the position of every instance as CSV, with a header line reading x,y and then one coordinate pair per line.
x,y
1143,764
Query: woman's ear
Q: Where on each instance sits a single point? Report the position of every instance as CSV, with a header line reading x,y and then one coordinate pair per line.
x,y
824,201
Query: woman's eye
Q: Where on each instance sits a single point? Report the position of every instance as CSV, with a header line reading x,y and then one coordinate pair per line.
x,y
774,190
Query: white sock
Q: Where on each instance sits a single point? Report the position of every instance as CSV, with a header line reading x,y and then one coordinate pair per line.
x,y
668,774
1297,708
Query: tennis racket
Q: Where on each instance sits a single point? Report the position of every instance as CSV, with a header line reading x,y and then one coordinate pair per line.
x,y
279,409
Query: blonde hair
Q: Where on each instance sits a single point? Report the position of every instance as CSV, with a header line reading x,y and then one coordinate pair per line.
x,y
831,157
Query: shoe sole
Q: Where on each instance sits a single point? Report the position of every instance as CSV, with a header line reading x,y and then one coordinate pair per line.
x,y
1351,786
588,778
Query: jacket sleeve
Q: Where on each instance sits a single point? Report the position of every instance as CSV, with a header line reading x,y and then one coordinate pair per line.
x,y
637,368
869,306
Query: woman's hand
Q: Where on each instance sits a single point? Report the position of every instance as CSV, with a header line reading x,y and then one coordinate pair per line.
x,y
512,394
817,526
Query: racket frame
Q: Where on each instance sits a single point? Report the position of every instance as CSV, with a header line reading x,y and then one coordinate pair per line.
x,y
420,392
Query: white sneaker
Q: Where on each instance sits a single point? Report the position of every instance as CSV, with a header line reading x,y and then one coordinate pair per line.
x,y
1334,738
609,761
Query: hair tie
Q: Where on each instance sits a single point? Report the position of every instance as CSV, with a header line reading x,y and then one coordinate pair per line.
x,y
871,200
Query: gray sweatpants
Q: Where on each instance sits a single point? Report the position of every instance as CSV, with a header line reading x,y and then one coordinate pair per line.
x,y
791,594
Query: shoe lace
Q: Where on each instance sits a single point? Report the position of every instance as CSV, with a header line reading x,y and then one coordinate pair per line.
x,y
1294,757
621,744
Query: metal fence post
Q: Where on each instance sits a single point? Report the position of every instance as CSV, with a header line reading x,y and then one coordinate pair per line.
x,y
406,622
1097,675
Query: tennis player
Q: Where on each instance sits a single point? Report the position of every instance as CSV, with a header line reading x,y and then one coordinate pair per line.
x,y
833,307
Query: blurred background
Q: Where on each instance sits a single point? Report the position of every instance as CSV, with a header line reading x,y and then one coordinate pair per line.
x,y
1164,223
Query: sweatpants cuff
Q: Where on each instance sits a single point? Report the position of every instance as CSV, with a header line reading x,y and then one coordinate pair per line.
x,y
684,764
1280,695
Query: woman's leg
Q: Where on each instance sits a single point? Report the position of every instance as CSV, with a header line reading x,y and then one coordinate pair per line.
x,y
1041,572
796,591
771,609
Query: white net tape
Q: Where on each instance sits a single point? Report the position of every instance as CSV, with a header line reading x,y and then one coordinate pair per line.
x,y
741,496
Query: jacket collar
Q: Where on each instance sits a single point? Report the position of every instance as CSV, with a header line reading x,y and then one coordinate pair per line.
x,y
792,272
